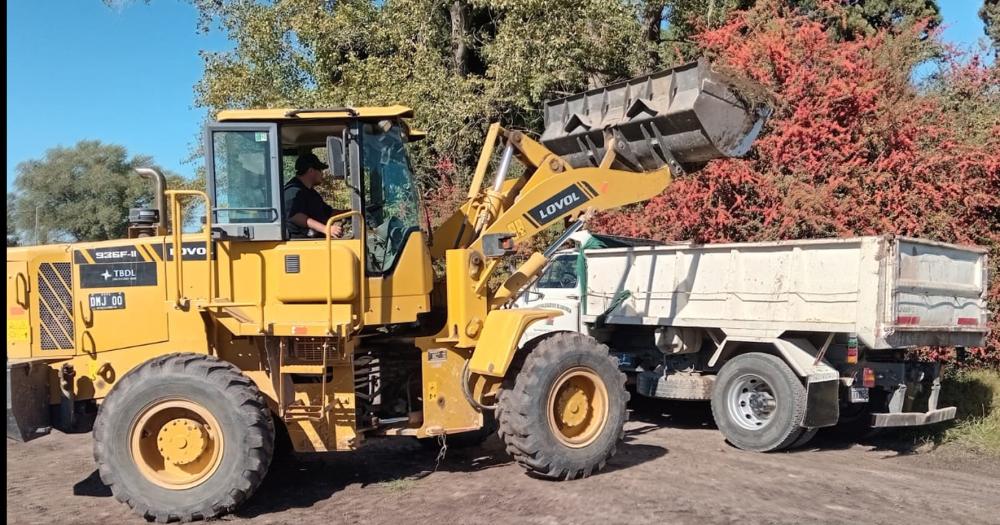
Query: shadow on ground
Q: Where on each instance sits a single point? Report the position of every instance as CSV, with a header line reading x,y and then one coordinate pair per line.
x,y
92,486
698,415
303,480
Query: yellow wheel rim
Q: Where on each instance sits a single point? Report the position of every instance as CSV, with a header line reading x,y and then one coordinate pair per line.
x,y
176,444
578,407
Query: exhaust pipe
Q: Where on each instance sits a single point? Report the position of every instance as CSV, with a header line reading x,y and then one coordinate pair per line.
x,y
159,193
681,118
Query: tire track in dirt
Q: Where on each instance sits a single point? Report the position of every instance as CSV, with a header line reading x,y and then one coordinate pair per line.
x,y
666,472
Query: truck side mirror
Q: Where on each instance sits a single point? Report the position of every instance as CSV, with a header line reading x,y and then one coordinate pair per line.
x,y
338,163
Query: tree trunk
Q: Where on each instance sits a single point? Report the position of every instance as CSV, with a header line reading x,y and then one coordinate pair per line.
x,y
459,36
652,18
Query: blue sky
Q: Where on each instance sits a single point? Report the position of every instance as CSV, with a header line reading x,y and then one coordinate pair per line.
x,y
77,69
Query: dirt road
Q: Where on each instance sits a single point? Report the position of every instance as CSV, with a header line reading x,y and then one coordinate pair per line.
x,y
670,470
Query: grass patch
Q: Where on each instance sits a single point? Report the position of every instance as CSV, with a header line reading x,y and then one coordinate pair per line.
x,y
976,393
398,485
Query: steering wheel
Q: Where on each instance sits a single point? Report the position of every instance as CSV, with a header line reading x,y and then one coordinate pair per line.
x,y
567,280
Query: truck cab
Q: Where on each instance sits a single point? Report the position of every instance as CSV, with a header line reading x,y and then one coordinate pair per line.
x,y
558,288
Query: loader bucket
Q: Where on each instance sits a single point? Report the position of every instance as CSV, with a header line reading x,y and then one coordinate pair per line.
x,y
681,117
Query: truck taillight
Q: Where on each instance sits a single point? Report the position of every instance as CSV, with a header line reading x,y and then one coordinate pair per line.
x,y
852,350
868,377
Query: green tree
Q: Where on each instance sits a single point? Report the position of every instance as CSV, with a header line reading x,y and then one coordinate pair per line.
x,y
81,193
990,13
459,64
12,237
849,19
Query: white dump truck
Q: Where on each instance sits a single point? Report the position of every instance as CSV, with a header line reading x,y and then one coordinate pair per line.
x,y
782,338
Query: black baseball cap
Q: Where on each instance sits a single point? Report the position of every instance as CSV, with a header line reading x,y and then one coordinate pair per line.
x,y
306,161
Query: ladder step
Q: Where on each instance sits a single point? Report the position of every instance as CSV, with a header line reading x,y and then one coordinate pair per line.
x,y
305,412
309,369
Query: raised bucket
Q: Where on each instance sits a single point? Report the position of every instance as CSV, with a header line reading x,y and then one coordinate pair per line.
x,y
681,117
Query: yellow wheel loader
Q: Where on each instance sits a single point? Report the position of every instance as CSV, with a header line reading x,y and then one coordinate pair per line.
x,y
193,351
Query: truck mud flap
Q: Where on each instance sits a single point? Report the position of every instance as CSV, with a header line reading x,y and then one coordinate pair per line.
x,y
27,400
822,404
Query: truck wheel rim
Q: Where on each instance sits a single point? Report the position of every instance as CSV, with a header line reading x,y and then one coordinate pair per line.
x,y
578,407
176,444
751,402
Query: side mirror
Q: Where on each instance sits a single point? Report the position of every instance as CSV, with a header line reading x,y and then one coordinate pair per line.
x,y
338,162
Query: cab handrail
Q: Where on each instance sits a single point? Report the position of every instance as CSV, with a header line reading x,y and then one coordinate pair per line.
x,y
176,227
329,271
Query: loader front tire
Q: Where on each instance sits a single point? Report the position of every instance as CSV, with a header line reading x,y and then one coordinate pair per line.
x,y
183,437
562,415
759,404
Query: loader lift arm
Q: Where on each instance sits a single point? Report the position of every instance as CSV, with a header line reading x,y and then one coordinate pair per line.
x,y
601,150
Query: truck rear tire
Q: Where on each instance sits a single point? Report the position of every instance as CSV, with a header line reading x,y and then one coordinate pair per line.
x,y
183,437
562,415
758,403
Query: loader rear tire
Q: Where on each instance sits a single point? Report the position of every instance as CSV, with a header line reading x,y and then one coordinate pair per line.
x,y
758,403
562,415
183,437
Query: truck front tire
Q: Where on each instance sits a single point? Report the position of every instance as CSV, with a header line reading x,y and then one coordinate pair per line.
x,y
759,403
562,415
183,437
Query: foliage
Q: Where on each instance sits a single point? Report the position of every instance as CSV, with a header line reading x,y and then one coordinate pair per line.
x,y
81,193
12,237
990,13
687,18
976,395
356,52
853,148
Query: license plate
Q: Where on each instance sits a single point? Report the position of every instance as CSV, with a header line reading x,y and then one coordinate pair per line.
x,y
107,301
858,394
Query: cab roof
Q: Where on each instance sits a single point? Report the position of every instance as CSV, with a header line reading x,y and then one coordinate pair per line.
x,y
285,115
318,115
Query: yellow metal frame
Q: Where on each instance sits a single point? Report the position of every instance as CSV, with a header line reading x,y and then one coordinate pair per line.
x,y
471,303
477,319
329,271
480,335
176,213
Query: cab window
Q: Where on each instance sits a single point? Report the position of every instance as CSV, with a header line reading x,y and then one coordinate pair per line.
x,y
391,205
561,273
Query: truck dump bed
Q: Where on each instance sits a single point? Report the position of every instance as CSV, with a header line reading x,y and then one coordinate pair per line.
x,y
893,292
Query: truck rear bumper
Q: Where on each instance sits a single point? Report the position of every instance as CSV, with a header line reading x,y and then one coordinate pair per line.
x,y
912,419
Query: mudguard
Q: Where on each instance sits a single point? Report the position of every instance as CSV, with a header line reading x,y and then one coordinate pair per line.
x,y
501,333
27,400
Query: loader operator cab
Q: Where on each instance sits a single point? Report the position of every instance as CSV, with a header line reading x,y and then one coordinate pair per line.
x,y
251,156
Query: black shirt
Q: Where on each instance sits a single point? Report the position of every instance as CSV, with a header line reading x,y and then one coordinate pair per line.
x,y
300,199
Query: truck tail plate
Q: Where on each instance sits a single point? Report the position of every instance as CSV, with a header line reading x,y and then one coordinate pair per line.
x,y
913,419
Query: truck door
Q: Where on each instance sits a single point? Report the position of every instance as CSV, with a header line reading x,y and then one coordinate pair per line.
x,y
558,289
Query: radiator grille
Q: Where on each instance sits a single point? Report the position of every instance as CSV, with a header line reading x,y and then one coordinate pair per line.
x,y
55,306
311,349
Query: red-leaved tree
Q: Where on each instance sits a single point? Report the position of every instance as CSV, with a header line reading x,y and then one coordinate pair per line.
x,y
853,147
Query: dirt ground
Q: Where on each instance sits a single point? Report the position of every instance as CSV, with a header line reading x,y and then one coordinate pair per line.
x,y
671,469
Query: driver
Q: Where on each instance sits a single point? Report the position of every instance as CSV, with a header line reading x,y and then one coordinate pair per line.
x,y
305,209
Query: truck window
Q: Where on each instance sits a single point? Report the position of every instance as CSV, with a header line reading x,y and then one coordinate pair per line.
x,y
561,273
